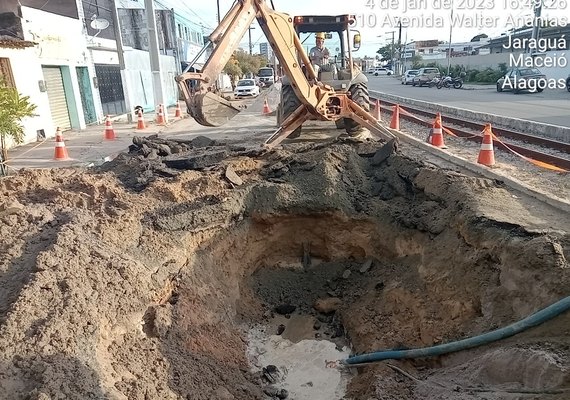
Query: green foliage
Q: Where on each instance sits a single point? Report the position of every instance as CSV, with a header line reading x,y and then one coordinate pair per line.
x,y
243,63
503,68
416,61
233,69
487,75
387,51
13,108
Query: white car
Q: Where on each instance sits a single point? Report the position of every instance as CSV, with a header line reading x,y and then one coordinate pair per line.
x,y
246,88
408,76
382,71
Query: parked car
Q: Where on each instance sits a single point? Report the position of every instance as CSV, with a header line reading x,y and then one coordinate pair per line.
x,y
382,71
425,75
517,79
246,88
370,70
408,76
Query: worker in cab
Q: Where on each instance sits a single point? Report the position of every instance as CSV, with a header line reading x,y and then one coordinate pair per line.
x,y
319,55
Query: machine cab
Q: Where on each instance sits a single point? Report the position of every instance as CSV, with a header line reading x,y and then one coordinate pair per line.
x,y
338,69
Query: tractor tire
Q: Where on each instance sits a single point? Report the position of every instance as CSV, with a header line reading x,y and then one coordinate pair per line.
x,y
358,94
339,123
289,103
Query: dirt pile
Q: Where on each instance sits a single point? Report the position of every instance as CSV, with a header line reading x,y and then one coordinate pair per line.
x,y
135,280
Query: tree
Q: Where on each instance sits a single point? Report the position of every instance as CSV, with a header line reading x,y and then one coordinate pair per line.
x,y
479,37
233,69
387,51
243,63
416,60
13,108
250,64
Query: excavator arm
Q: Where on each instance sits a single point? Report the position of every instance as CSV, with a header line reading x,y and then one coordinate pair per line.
x,y
205,106
316,98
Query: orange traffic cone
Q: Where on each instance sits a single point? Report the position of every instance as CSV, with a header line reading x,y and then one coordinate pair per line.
x,y
266,109
377,110
160,116
60,150
140,121
486,154
109,132
178,112
395,122
437,133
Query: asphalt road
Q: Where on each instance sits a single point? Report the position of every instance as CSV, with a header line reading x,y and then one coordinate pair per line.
x,y
552,106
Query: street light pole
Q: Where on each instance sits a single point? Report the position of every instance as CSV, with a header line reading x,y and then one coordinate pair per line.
x,y
127,91
154,52
250,45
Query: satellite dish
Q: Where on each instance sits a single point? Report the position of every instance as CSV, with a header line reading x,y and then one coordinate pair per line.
x,y
99,24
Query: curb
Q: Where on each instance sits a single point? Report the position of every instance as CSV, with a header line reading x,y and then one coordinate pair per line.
x,y
557,132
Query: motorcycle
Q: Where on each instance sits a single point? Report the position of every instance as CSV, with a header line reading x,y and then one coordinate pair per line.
x,y
449,82
434,82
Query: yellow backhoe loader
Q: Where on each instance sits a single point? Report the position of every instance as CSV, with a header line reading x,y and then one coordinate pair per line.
x,y
335,93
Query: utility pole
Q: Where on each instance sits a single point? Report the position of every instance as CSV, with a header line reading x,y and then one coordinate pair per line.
x,y
392,50
449,47
536,24
399,46
218,1
122,65
250,45
154,49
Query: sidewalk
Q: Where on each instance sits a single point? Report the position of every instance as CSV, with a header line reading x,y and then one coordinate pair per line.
x,y
89,147
486,86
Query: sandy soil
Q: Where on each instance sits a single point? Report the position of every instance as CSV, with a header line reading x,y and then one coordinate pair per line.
x,y
134,280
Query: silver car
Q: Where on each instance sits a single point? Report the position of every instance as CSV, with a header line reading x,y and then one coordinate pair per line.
x,y
408,76
518,79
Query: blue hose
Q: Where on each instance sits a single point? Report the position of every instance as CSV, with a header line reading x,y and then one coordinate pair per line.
x,y
511,330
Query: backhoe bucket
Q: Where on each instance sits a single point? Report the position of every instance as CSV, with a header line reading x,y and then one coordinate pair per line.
x,y
212,110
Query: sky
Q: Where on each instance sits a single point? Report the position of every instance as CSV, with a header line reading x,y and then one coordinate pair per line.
x,y
421,19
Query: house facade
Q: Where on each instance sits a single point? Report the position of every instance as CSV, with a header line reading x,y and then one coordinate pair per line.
x,y
55,71
64,56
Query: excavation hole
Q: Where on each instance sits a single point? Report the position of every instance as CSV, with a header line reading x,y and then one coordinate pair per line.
x,y
310,290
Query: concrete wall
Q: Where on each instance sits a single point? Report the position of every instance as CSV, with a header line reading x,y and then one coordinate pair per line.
x,y
140,78
138,73
493,61
27,72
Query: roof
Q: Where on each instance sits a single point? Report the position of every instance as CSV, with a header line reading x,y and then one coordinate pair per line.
x,y
11,42
321,23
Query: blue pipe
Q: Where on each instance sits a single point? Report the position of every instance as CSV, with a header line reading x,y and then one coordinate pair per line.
x,y
511,330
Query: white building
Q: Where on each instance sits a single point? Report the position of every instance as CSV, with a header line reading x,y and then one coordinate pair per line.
x,y
121,92
65,58
55,73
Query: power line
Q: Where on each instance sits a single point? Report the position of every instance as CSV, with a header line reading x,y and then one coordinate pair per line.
x,y
182,16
